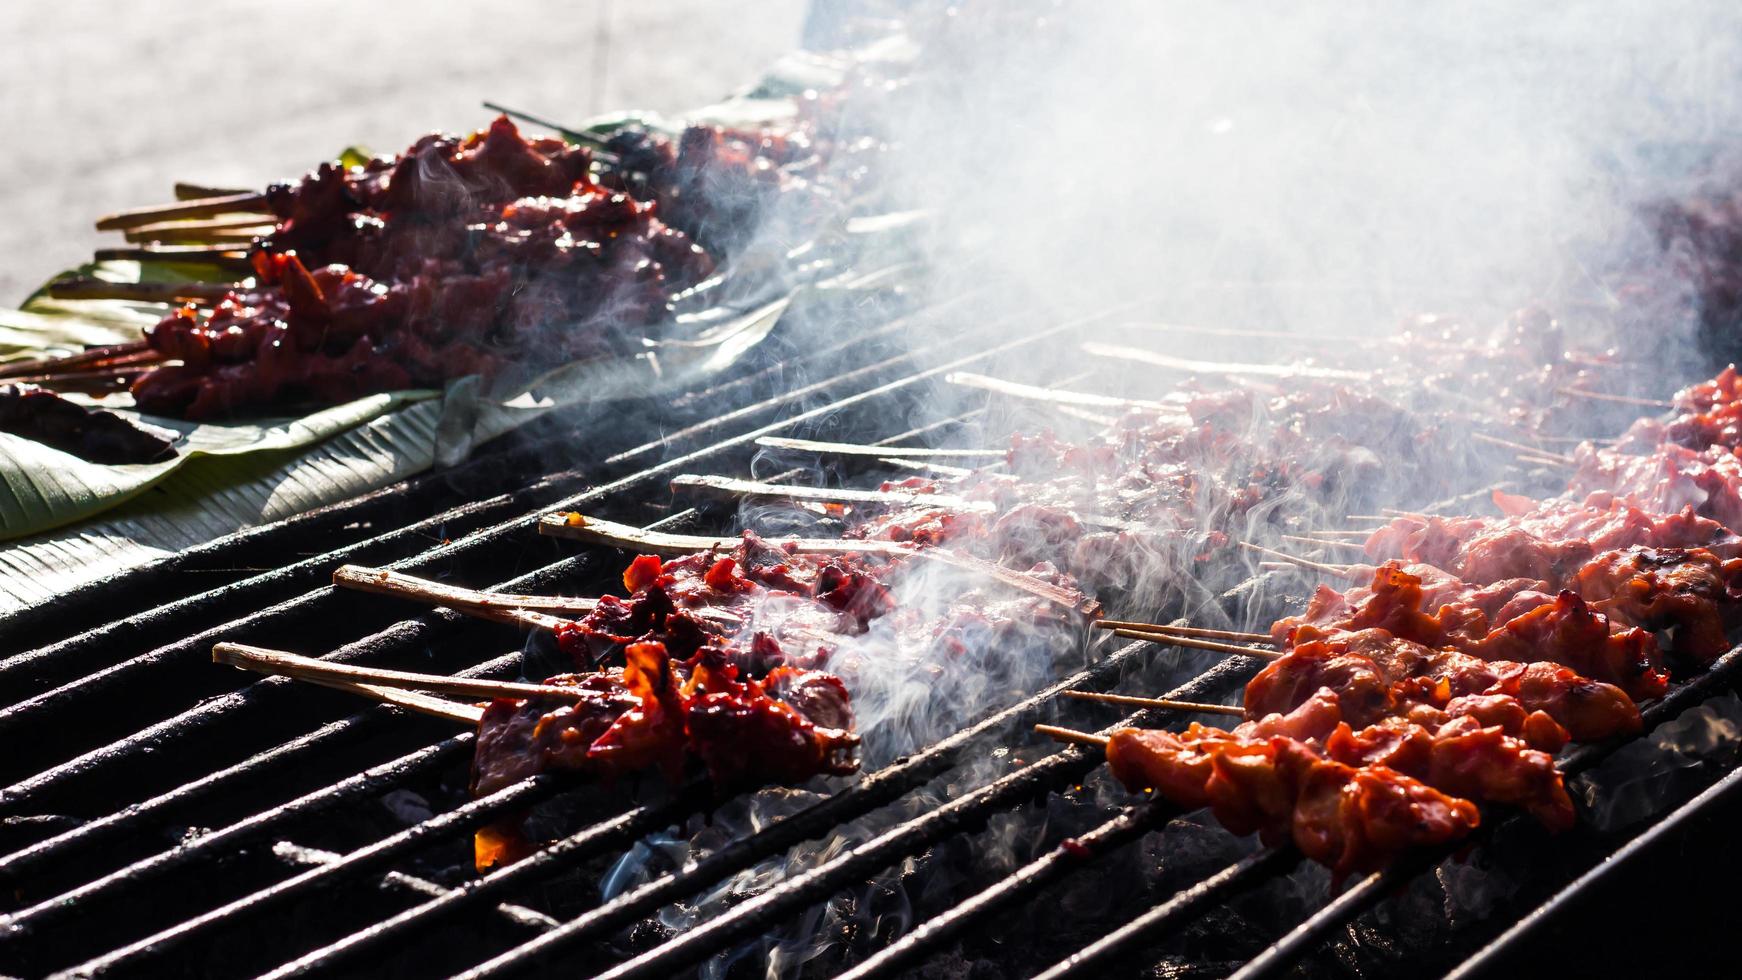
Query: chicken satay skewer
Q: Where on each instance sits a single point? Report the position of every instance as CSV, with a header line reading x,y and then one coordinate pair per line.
x,y
262,660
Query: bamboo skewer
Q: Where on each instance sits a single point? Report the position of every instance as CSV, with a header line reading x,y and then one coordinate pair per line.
x,y
203,207
185,191
1170,639
1341,571
926,466
595,531
80,287
1213,634
423,704
1230,368
105,380
1618,399
237,222
858,449
1072,735
1327,543
1126,699
216,254
1350,533
89,357
730,487
1054,395
1544,459
265,661
538,612
1521,447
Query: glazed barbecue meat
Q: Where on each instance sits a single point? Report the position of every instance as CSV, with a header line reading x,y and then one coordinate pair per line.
x,y
1376,674
1547,540
1693,592
461,257
1665,480
1350,818
796,608
1161,487
93,434
1512,620
658,713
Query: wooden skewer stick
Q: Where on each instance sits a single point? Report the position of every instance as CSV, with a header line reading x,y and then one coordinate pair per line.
x,y
1381,518
1072,735
1214,634
198,208
103,380
1356,546
1520,447
83,359
265,661
1341,571
217,254
858,449
423,704
1055,395
1350,533
1214,709
539,612
185,191
142,292
1544,459
234,235
1618,399
1228,368
928,466
595,531
1169,639
729,487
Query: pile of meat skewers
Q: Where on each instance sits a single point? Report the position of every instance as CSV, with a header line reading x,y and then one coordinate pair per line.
x,y
459,256
1476,648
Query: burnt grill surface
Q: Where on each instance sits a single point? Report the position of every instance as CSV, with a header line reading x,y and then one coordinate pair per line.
x,y
166,817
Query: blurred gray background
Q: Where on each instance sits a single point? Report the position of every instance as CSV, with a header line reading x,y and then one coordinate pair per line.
x,y
107,104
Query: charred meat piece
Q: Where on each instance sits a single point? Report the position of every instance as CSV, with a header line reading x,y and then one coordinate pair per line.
x,y
661,713
92,434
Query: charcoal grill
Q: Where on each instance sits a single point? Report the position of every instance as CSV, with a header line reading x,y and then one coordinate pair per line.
x,y
166,817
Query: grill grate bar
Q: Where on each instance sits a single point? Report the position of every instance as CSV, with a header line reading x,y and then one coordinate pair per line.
x,y
1098,958
464,817
520,915
861,862
14,866
1129,825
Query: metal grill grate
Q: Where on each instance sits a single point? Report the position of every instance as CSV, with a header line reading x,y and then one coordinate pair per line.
x,y
150,738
